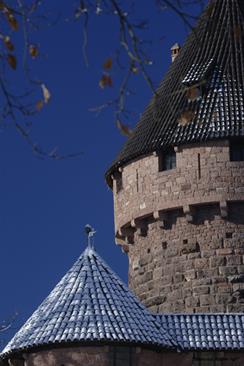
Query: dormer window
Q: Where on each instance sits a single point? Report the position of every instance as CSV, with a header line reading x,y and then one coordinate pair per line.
x,y
167,160
237,150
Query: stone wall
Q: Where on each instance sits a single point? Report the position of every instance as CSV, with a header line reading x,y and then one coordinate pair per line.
x,y
89,356
101,356
151,358
204,174
77,356
186,230
218,359
191,267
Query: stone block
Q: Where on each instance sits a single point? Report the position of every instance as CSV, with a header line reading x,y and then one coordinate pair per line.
x,y
222,299
207,253
194,255
217,261
201,290
192,301
240,269
201,263
219,279
148,276
201,282
175,295
145,260
233,260
224,288
172,251
190,275
228,271
190,248
179,277
224,251
206,300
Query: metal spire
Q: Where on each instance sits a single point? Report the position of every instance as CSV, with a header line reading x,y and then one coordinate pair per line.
x,y
90,232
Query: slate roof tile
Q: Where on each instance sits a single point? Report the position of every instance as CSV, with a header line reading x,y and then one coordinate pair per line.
x,y
205,331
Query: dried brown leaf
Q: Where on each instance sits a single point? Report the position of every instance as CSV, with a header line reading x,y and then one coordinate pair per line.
x,y
124,129
8,43
2,5
39,104
185,118
193,93
12,61
108,64
33,50
12,21
105,80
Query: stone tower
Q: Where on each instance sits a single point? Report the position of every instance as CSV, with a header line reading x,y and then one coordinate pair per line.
x,y
178,182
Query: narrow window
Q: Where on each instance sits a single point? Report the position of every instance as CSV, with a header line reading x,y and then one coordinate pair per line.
x,y
122,356
228,235
137,180
119,181
167,160
237,150
199,165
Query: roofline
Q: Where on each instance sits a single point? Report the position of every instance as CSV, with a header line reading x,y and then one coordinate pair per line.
x,y
95,343
196,314
157,348
151,346
121,163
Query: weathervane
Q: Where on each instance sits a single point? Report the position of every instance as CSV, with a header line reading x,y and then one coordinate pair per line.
x,y
90,232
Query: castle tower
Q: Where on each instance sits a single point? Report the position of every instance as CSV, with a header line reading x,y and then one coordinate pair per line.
x,y
178,183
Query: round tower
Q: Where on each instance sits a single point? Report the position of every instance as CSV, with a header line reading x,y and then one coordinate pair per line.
x,y
178,182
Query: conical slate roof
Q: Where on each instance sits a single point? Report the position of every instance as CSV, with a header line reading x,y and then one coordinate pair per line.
x,y
202,96
89,304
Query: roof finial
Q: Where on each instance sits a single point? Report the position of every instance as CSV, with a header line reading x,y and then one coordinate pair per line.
x,y
90,232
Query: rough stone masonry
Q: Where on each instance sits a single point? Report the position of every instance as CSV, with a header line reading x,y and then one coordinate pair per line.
x,y
184,229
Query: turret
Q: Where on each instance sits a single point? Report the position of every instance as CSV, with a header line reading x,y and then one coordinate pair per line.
x,y
89,318
178,183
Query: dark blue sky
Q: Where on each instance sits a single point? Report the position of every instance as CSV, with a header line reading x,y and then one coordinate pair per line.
x,y
45,204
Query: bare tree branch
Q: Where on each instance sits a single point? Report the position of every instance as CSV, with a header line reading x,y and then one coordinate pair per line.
x,y
27,16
